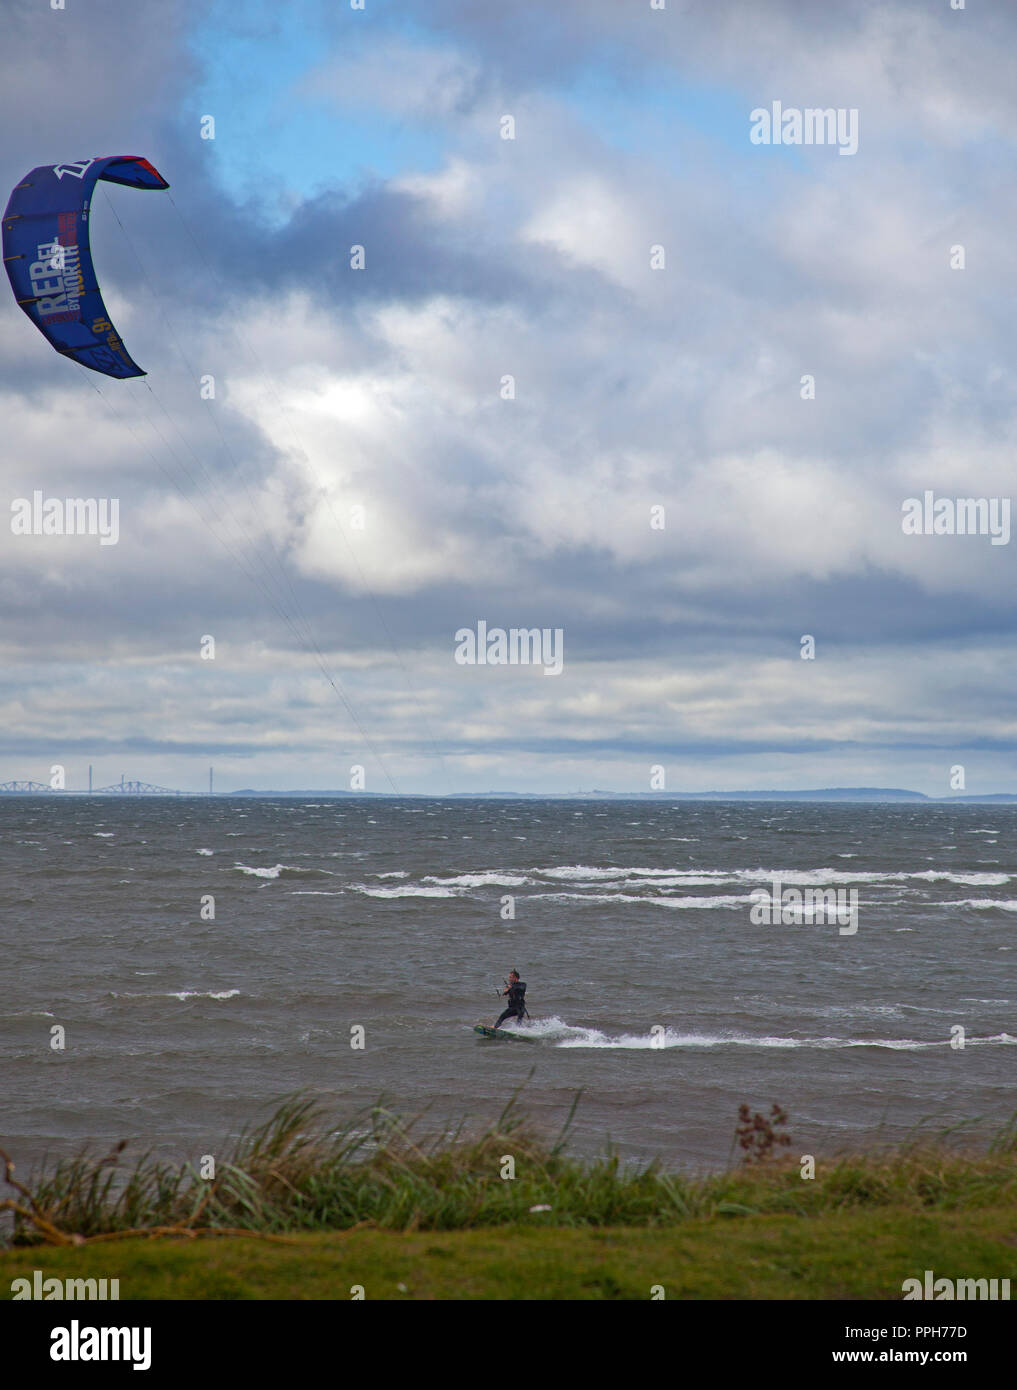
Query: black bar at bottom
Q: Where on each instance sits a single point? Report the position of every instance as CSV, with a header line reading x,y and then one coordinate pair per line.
x,y
189,1343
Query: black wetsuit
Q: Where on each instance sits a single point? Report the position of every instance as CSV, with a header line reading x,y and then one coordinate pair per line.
x,y
516,1007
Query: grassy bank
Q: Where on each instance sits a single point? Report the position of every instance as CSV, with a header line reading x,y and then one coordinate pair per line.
x,y
314,1208
840,1255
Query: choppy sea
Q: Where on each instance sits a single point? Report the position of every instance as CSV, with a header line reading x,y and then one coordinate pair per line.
x,y
651,989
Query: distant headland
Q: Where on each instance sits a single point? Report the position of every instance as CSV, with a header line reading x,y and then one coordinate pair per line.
x,y
835,794
597,794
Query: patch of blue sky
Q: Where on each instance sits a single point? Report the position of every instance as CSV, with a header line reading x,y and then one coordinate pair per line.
x,y
278,140
651,118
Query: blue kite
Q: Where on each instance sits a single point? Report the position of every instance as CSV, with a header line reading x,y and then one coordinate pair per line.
x,y
49,261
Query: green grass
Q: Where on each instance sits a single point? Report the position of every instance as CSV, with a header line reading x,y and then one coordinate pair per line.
x,y
845,1255
371,1201
299,1171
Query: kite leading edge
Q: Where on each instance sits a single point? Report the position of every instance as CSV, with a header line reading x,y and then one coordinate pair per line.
x,y
48,258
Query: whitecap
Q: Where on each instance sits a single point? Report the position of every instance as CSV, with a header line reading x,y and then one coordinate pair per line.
x,y
483,879
202,994
982,904
407,891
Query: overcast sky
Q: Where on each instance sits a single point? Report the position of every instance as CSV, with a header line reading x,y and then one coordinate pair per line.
x,y
638,386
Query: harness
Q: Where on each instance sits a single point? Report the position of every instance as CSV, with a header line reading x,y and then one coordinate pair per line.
x,y
516,998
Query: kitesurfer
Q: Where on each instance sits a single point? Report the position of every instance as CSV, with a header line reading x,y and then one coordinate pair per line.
x,y
516,992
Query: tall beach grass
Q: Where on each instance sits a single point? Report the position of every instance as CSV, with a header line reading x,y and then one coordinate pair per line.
x,y
303,1171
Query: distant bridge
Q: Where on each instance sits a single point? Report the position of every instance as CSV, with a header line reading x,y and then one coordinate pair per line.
x,y
121,788
125,788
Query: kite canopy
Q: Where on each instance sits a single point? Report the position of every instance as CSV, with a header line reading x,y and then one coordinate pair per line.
x,y
49,261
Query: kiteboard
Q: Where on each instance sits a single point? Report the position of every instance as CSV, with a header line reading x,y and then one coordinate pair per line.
x,y
496,1034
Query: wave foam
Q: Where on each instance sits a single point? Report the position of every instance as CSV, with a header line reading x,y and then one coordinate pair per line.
x,y
484,879
406,890
984,904
565,1035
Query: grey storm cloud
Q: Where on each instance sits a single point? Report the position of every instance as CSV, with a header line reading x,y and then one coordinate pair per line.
x,y
635,389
